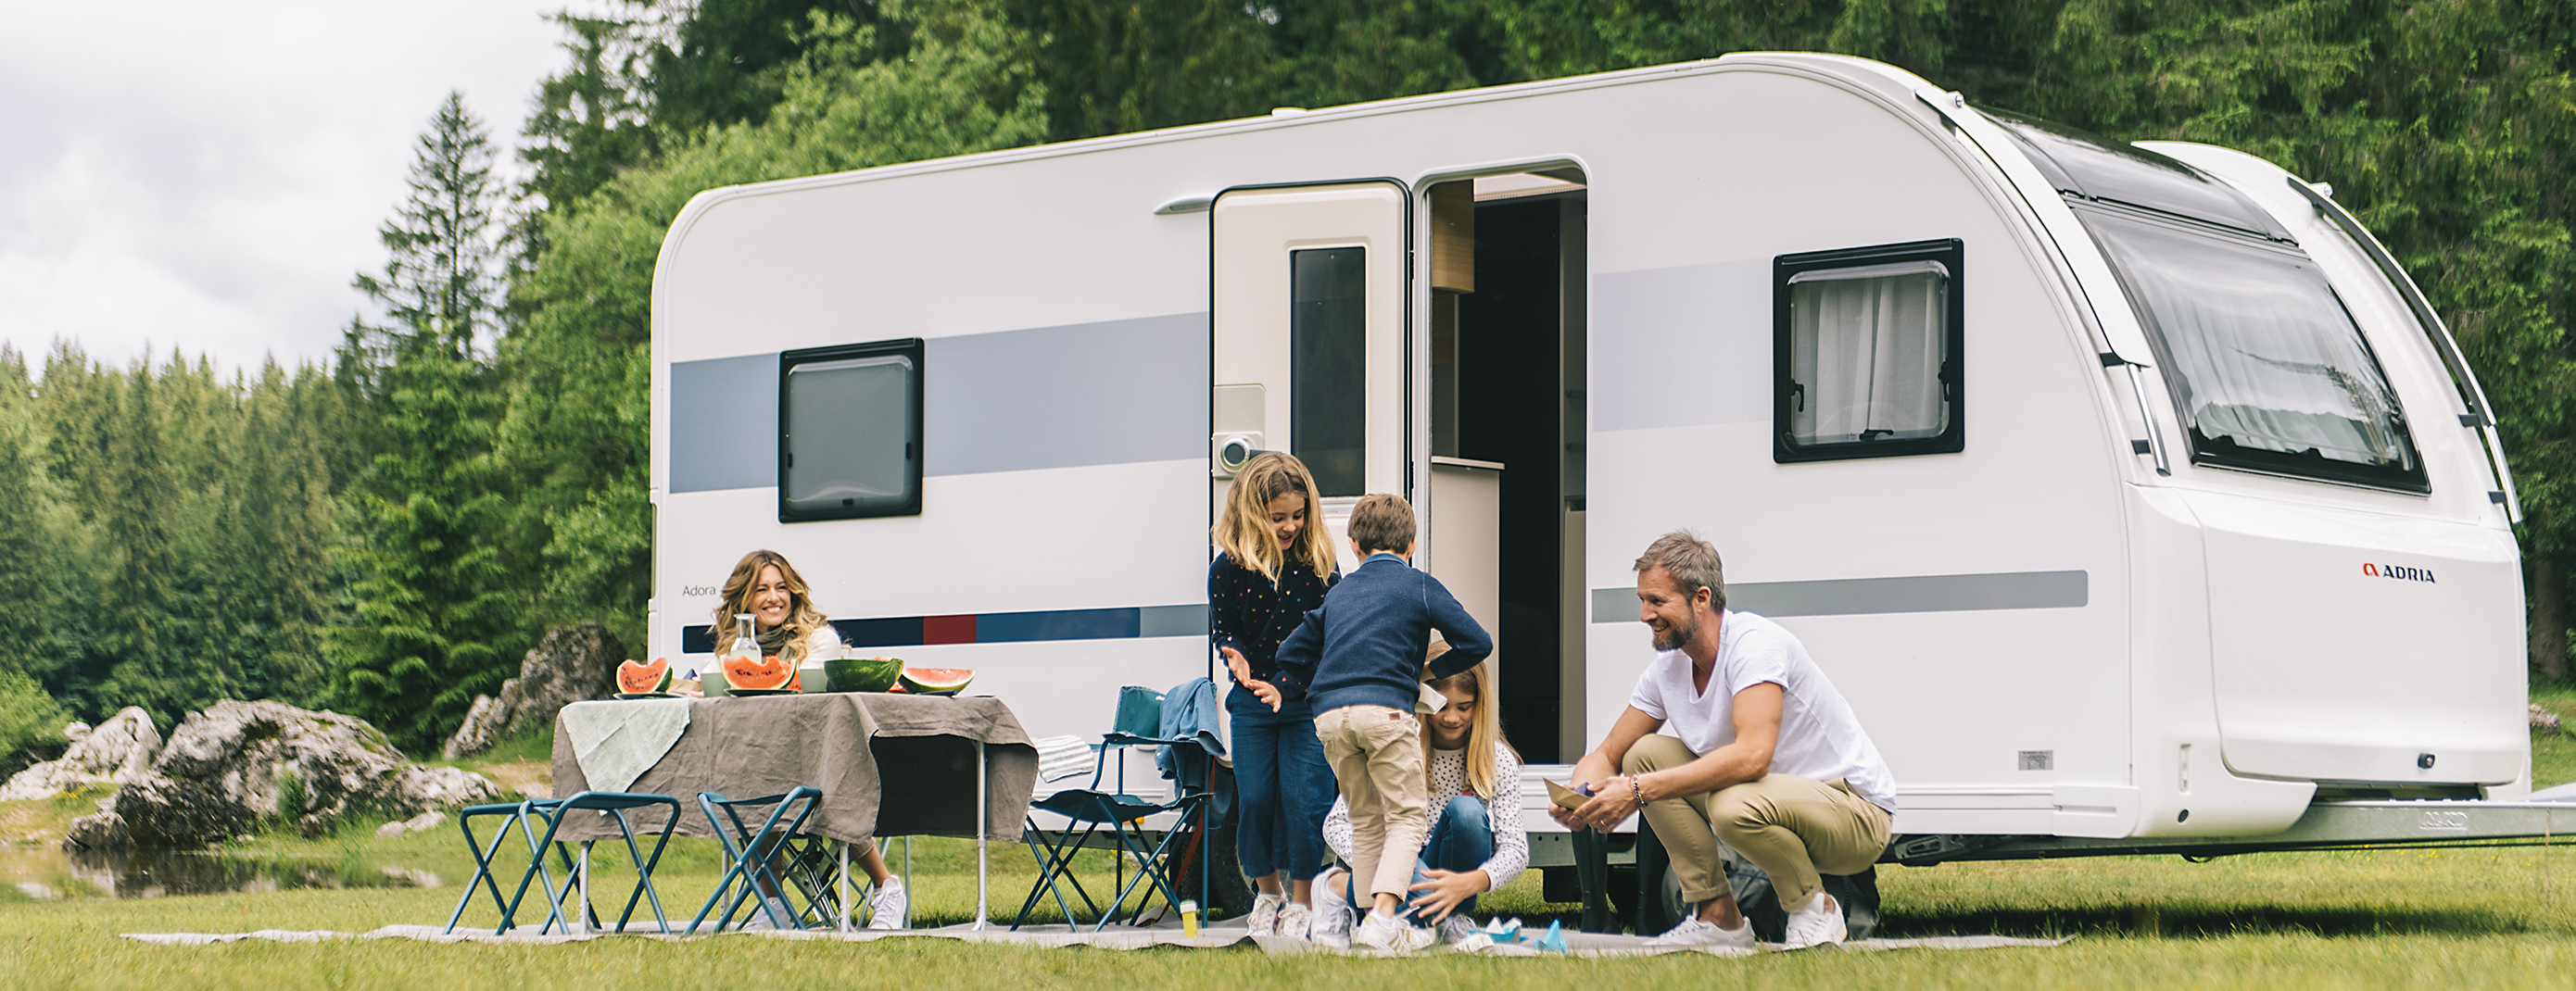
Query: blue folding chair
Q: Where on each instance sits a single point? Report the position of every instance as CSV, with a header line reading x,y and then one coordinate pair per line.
x,y
762,863
1139,724
553,811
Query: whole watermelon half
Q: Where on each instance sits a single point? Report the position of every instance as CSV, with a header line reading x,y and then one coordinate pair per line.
x,y
863,674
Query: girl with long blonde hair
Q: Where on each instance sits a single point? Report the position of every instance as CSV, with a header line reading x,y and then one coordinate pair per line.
x,y
1275,560
1475,843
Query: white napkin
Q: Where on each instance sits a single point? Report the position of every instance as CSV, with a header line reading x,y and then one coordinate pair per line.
x,y
616,742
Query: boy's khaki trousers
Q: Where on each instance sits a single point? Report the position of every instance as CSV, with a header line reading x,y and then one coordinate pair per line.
x,y
1376,754
1793,828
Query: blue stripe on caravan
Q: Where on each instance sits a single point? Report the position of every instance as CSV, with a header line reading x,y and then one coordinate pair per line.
x,y
1868,596
1113,392
1007,627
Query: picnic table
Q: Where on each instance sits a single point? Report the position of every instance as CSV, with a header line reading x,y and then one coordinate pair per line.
x,y
887,764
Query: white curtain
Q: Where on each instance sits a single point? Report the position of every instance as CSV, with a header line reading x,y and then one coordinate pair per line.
x,y
1866,346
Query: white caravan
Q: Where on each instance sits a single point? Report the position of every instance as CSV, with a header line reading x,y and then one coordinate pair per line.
x,y
2132,495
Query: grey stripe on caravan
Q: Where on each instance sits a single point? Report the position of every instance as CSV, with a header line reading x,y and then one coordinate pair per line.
x,y
1713,319
1862,596
1114,392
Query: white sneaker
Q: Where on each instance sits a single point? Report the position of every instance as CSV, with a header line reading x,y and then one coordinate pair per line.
x,y
1294,921
1389,936
891,906
1456,928
1332,920
1264,917
1696,932
1817,924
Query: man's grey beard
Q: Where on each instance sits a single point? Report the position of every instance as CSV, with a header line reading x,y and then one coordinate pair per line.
x,y
1675,635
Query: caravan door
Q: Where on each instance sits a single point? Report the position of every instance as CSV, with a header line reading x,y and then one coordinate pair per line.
x,y
1308,303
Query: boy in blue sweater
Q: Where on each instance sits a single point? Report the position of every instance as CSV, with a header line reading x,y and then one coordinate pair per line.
x,y
1359,656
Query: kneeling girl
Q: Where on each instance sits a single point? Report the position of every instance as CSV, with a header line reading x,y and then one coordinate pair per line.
x,y
1476,843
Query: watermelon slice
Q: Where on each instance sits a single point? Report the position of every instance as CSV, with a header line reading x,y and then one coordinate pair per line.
x,y
644,679
937,681
761,675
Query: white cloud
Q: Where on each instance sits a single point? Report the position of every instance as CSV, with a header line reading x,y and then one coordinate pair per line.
x,y
210,175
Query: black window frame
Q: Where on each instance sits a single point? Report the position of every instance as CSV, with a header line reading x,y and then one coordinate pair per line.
x,y
910,348
1951,253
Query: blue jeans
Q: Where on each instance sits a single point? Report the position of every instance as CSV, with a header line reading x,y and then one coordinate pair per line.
x,y
1461,839
1283,788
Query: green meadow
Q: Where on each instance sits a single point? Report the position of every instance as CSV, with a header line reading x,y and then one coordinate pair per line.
x,y
2483,917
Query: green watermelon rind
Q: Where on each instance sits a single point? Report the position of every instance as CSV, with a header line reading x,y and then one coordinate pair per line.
x,y
945,681
863,674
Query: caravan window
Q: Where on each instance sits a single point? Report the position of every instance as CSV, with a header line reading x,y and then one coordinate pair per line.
x,y
1867,352
849,431
2267,369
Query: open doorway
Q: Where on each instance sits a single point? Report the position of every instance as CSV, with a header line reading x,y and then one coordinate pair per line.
x,y
1508,405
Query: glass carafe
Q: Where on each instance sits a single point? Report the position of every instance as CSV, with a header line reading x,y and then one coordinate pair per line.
x,y
745,644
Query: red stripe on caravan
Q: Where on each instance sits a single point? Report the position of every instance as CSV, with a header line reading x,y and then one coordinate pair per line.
x,y
948,629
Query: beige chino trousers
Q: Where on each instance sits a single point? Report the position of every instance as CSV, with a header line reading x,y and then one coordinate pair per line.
x,y
1793,828
1376,756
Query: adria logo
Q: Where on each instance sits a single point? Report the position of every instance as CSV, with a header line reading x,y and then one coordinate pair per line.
x,y
2399,572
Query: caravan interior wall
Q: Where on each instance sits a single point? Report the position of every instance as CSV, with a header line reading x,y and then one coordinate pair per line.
x,y
2049,624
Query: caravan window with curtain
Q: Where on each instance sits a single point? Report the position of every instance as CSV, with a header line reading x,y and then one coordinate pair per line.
x,y
2267,369
1867,352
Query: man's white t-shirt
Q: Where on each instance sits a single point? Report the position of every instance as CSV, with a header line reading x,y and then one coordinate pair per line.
x,y
1819,738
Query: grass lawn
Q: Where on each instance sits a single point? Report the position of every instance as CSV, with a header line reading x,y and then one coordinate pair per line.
x,y
2455,918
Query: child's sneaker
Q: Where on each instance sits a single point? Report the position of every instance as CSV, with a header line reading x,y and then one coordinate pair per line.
x,y
1331,925
1817,924
1264,917
1294,921
1696,932
1389,936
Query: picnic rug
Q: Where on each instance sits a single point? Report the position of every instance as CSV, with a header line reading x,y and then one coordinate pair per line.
x,y
1113,938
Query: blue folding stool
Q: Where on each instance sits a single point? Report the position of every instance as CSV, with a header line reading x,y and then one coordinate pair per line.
x,y
749,854
553,811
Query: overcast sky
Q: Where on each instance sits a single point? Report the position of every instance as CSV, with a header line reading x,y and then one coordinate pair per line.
x,y
210,175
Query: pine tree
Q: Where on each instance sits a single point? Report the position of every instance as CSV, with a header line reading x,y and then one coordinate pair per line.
x,y
27,563
435,618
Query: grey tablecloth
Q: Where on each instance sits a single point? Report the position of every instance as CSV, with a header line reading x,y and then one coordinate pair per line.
x,y
893,765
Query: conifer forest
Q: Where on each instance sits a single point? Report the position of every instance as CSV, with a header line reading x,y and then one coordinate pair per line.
x,y
386,529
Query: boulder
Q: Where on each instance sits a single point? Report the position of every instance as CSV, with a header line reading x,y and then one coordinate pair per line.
x,y
237,764
114,752
571,664
102,832
421,823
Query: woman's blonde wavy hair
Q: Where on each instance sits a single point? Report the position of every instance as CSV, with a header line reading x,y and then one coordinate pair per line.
x,y
802,618
1244,531
1484,726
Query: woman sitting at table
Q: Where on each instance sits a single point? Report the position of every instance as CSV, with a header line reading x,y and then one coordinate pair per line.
x,y
788,627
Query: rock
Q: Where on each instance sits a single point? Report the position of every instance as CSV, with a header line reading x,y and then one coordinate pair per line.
x,y
74,730
2544,721
421,823
113,753
104,832
238,764
571,664
428,788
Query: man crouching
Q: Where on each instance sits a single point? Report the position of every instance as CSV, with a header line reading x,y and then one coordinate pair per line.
x,y
1764,755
